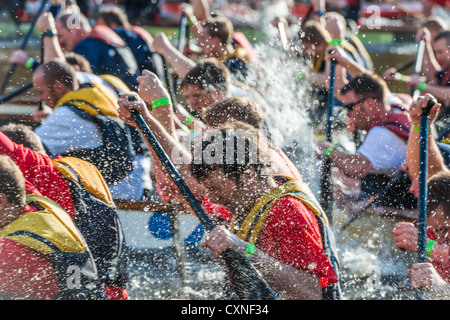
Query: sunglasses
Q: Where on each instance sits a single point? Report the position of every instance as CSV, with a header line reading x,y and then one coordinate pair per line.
x,y
351,105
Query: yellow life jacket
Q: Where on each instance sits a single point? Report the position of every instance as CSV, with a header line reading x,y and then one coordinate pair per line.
x,y
97,218
253,223
98,104
94,98
47,231
87,174
53,233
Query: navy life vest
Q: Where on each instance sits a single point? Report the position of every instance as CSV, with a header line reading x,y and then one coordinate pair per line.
x,y
114,158
97,218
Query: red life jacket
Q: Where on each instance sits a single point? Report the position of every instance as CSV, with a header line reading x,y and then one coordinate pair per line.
x,y
107,35
397,122
142,33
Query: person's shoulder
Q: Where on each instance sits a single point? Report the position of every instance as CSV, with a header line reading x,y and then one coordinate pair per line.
x,y
290,205
11,250
379,132
89,45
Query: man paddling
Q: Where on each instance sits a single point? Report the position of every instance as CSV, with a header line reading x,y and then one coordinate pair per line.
x,y
100,45
307,271
383,150
286,245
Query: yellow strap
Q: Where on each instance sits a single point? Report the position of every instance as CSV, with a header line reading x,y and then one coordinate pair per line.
x,y
254,221
52,224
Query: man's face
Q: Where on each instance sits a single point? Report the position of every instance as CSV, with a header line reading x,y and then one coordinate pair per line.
x,y
440,225
67,37
221,189
442,52
312,51
46,94
199,99
358,111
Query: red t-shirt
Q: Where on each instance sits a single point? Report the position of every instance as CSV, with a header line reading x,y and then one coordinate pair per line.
x,y
291,235
25,273
40,172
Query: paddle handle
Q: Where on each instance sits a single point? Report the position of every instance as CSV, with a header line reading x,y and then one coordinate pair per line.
x,y
16,93
423,186
326,182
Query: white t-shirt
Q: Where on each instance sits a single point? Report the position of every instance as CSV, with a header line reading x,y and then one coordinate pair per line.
x,y
385,150
64,131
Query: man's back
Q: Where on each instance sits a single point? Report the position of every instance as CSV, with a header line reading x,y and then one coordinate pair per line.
x,y
108,54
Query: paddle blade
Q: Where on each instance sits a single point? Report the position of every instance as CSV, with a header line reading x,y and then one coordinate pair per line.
x,y
247,282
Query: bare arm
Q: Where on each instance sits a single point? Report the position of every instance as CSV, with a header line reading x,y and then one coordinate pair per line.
x,y
435,160
179,62
52,49
352,165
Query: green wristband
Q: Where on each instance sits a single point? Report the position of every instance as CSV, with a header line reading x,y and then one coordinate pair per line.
x,y
192,20
29,63
422,86
417,128
160,102
336,42
328,151
188,119
250,249
429,247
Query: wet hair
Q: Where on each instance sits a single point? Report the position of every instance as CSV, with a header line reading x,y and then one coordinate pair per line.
x,y
443,35
209,74
62,71
220,27
24,135
438,193
235,148
114,15
12,182
76,59
367,86
240,109
315,33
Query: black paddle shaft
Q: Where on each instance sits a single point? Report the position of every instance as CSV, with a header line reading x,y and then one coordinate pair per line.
x,y
423,186
326,185
248,281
